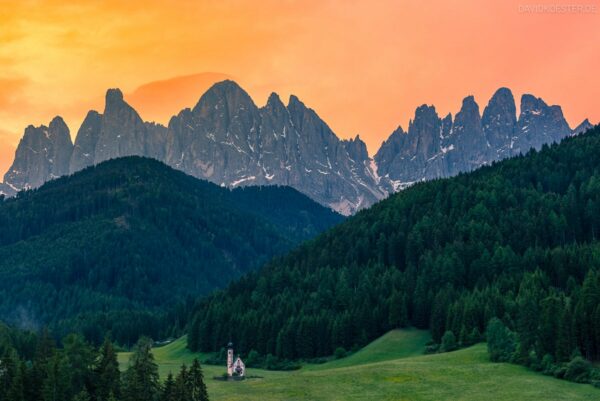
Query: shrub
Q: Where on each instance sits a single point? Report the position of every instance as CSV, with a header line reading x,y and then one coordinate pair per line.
x,y
501,341
578,370
448,342
339,353
253,359
548,365
559,372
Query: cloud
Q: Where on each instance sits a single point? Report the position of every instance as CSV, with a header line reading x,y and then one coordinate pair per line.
x,y
160,100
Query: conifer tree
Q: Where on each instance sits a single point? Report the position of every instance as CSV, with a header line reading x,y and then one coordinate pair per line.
x,y
196,379
169,391
141,380
106,373
182,385
57,383
16,392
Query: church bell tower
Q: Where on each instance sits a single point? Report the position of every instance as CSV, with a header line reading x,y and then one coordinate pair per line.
x,y
230,359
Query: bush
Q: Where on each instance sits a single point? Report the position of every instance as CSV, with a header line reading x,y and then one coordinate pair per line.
x,y
559,372
253,359
501,341
548,365
339,353
578,370
533,361
448,342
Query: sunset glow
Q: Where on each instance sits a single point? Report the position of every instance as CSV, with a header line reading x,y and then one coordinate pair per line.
x,y
363,66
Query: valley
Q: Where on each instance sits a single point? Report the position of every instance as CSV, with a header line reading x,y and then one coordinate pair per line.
x,y
392,367
299,200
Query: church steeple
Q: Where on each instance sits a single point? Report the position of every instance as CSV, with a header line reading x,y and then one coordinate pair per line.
x,y
230,359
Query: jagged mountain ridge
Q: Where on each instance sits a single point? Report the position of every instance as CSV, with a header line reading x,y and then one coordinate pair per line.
x,y
228,140
43,153
435,147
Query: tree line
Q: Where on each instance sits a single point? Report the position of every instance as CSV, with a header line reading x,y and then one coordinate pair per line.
x,y
33,368
514,242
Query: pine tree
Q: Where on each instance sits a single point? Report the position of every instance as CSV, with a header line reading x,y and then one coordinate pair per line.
x,y
44,351
169,392
107,374
141,380
196,379
57,384
501,341
16,392
182,385
80,358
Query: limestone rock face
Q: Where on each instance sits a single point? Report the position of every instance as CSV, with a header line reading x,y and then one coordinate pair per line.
x,y
228,140
581,128
43,154
499,123
434,148
118,132
539,124
467,147
408,157
84,150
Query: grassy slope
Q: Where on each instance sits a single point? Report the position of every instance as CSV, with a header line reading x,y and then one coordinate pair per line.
x,y
370,374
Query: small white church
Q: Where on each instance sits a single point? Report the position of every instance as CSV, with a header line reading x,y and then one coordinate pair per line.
x,y
235,368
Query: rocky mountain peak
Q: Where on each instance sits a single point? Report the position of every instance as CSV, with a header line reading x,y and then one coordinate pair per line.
x,y
85,142
584,126
275,105
223,97
58,125
469,105
113,96
539,124
43,154
295,105
499,122
532,104
274,99
228,140
357,149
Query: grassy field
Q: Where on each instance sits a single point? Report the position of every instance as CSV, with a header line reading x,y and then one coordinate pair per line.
x,y
391,368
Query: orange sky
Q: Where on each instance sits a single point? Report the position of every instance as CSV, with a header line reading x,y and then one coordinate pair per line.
x,y
364,66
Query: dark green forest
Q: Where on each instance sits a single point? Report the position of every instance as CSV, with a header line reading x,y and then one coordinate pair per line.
x,y
123,246
33,367
509,250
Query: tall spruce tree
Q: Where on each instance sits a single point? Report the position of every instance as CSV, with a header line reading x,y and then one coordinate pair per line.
x,y
169,391
196,380
56,385
142,380
107,377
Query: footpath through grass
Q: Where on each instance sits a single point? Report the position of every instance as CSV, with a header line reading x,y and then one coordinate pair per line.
x,y
391,368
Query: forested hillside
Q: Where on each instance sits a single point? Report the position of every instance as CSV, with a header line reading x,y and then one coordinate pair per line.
x,y
34,368
114,246
516,240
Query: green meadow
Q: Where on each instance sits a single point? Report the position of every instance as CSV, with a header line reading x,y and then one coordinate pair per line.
x,y
392,367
